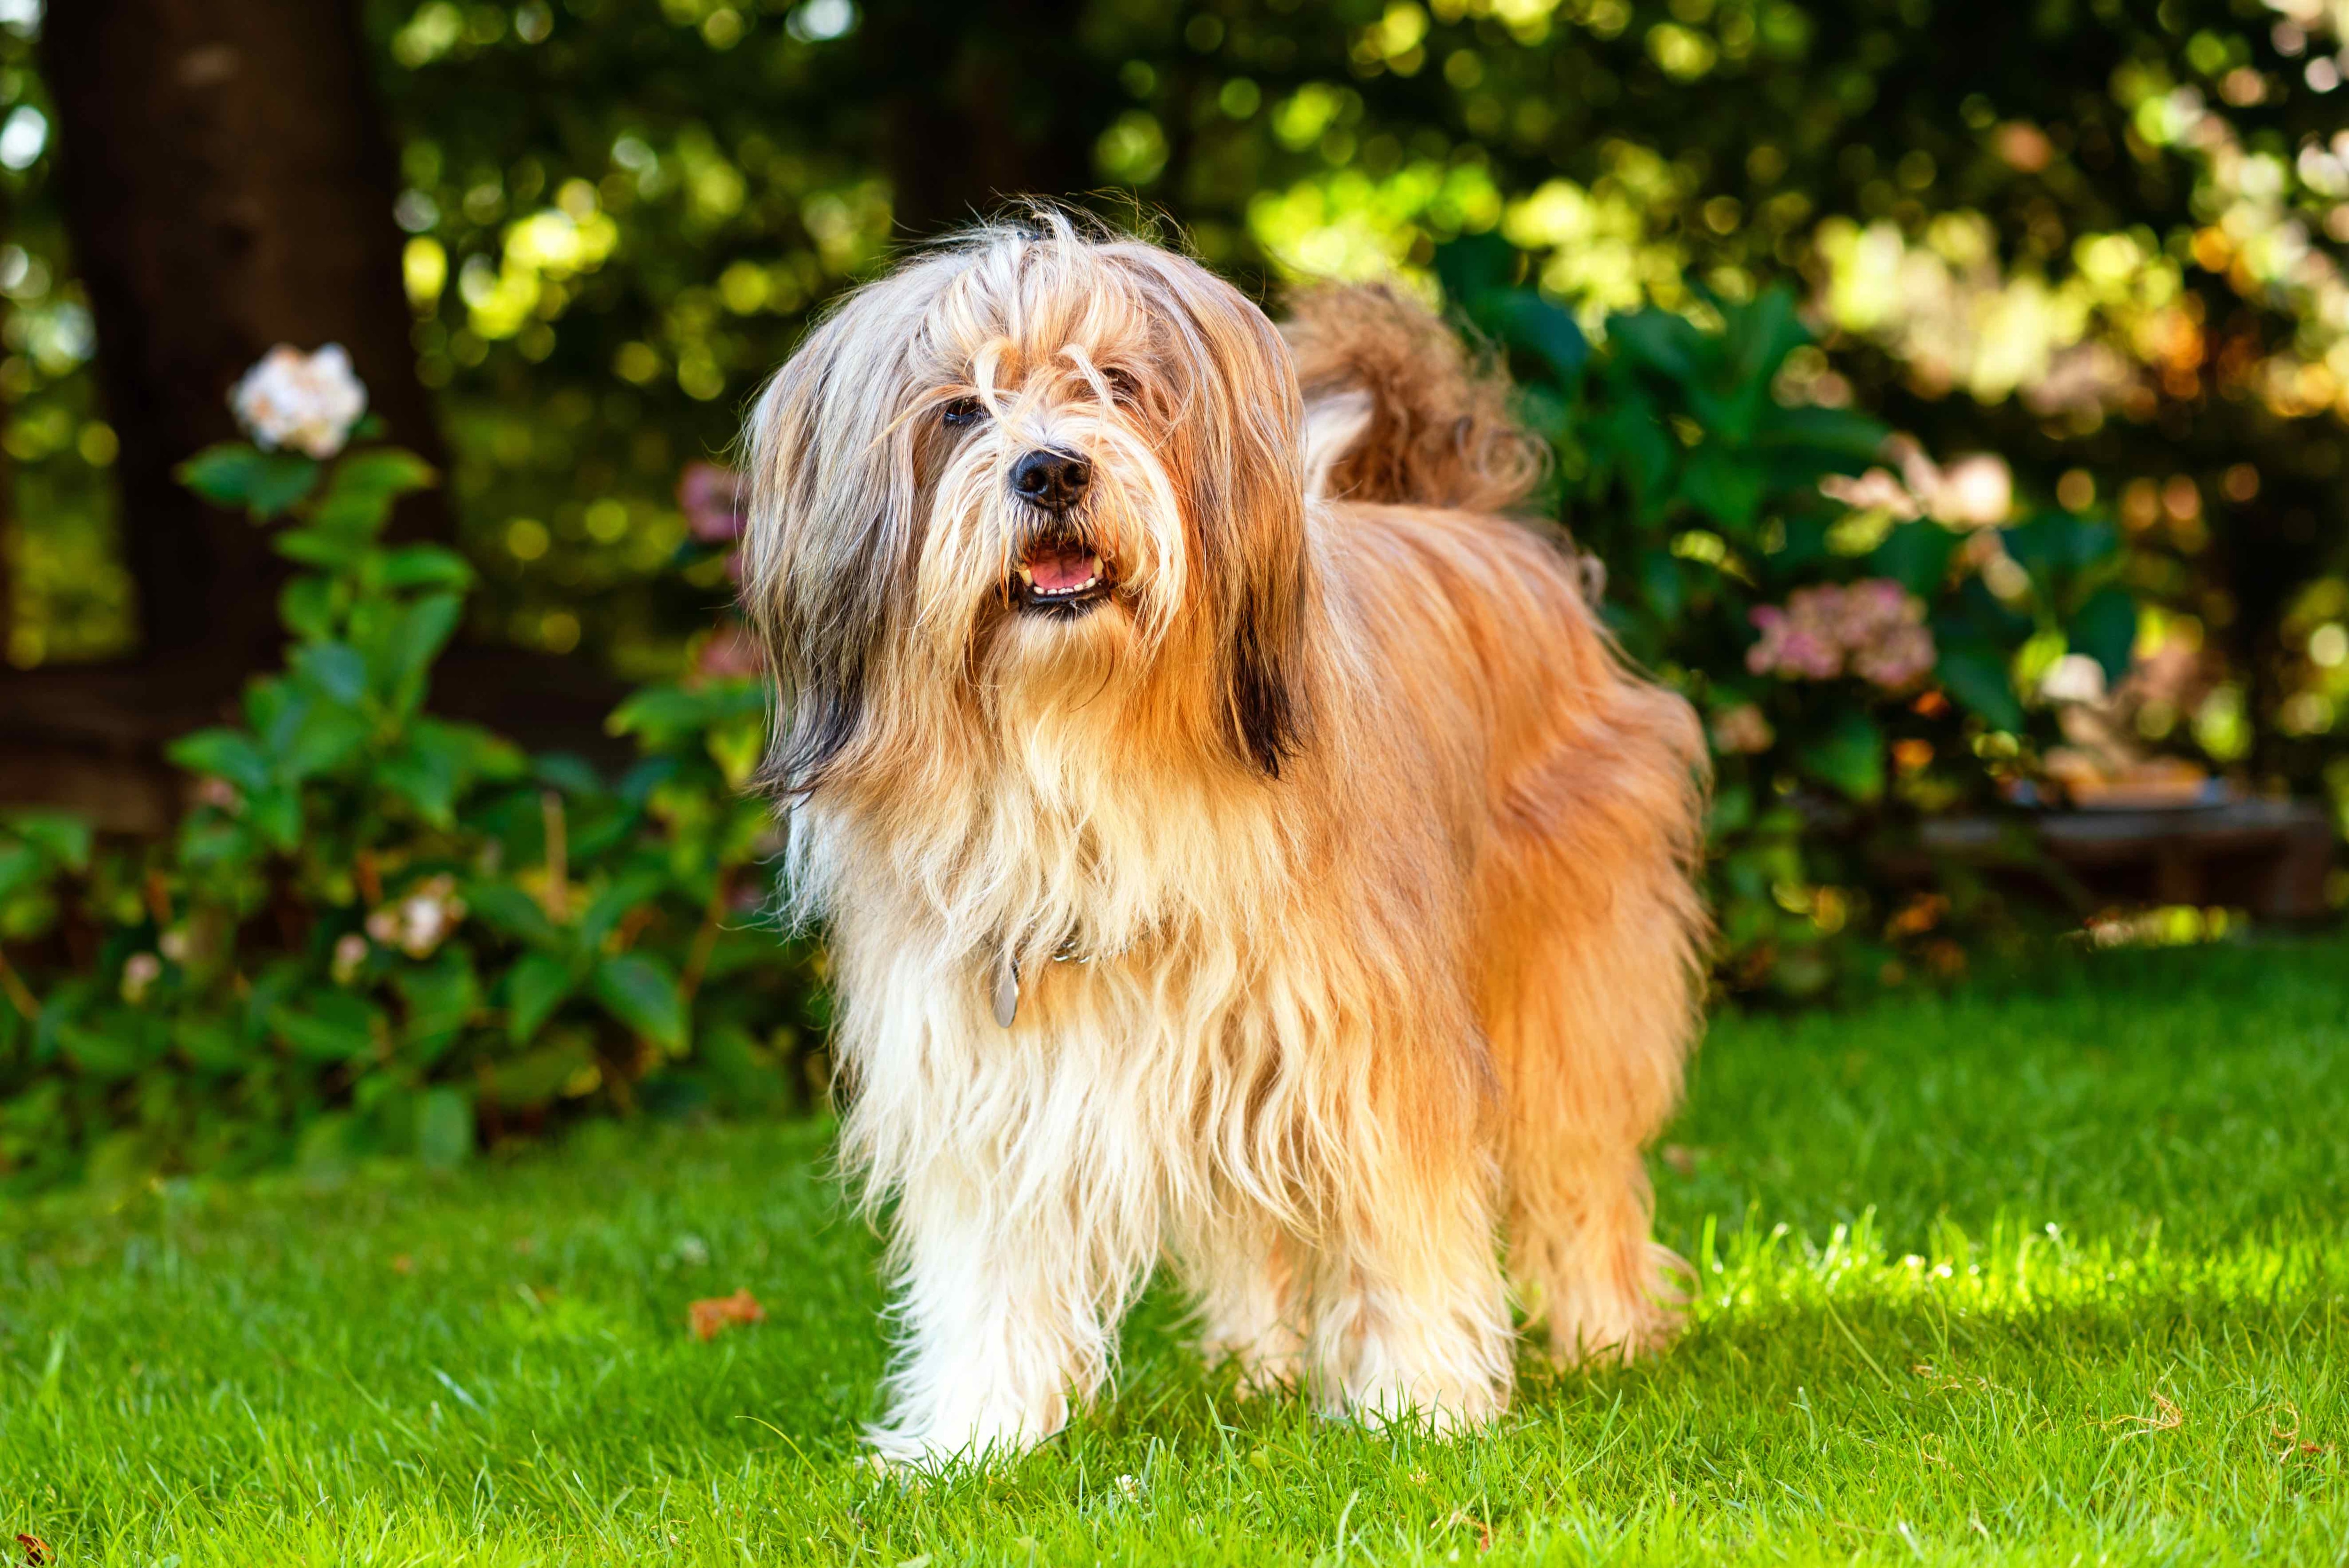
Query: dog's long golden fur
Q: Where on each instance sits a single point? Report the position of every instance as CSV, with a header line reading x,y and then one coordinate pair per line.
x,y
1343,866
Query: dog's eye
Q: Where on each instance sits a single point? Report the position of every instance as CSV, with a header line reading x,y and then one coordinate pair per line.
x,y
1122,386
962,411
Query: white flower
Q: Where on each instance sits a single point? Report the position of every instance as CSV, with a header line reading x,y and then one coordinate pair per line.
x,y
350,953
139,971
419,922
307,401
2074,677
1975,492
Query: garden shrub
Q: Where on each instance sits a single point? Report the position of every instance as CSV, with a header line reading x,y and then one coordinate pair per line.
x,y
379,931
1861,663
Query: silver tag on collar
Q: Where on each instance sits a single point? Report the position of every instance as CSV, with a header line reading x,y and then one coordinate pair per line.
x,y
1006,989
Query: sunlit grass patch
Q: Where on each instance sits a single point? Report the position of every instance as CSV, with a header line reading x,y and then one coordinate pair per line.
x,y
2051,1274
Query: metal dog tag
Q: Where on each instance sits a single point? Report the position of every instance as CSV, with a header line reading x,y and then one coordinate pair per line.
x,y
1006,989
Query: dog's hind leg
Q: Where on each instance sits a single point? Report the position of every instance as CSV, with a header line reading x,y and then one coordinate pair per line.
x,y
1590,1029
1411,1312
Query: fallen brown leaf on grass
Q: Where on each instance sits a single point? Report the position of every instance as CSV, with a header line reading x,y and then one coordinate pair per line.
x,y
2170,1418
36,1551
714,1313
2294,1446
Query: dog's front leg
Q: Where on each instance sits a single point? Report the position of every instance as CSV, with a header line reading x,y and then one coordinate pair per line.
x,y
1007,1313
1414,1321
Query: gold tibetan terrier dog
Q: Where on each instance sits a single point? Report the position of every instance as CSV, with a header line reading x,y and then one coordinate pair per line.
x,y
1241,843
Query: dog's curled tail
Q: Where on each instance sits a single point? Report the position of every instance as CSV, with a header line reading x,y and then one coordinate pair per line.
x,y
1396,409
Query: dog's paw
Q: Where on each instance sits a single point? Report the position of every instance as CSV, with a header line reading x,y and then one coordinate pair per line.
x,y
1441,1412
1617,1324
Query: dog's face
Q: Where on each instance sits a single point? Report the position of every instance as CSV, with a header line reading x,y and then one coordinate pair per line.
x,y
1030,468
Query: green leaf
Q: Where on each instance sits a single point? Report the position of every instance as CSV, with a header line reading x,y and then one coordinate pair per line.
x,y
444,1129
1663,583
1661,341
316,547
537,984
505,907
328,737
425,566
1849,757
359,496
239,474
1977,677
1761,334
1474,265
423,631
62,836
2105,630
334,668
276,815
614,901
441,999
1721,485
21,866
224,753
427,771
569,772
328,1027
1525,320
660,714
640,991
1917,556
307,608
108,1055
538,1076
212,1045
2059,543
1837,440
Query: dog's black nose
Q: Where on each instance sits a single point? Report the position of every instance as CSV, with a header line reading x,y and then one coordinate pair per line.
x,y
1051,480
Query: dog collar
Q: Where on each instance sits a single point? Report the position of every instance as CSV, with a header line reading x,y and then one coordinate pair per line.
x,y
1003,979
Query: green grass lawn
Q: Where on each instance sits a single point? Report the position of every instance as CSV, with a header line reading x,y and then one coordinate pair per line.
x,y
2053,1273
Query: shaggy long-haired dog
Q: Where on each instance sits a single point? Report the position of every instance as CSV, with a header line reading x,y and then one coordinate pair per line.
x,y
1240,841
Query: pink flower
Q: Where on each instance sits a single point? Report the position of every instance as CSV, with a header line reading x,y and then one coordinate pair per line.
x,y
1874,628
728,651
1900,656
1741,730
712,500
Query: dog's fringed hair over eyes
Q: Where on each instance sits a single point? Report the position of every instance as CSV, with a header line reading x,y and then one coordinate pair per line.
x,y
1240,843
1174,388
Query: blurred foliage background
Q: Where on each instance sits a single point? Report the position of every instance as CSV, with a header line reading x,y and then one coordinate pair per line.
x,y
2004,349
2098,237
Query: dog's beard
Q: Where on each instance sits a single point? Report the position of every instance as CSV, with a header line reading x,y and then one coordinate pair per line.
x,y
1012,593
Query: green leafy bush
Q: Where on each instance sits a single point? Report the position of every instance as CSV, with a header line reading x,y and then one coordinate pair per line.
x,y
380,931
1858,669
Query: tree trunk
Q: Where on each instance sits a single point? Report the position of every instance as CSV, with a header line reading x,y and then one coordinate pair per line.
x,y
227,185
986,104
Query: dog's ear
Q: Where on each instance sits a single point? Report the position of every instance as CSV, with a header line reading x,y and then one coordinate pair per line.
x,y
831,528
1245,475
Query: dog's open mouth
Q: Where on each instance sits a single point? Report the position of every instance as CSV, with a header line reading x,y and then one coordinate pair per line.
x,y
1060,573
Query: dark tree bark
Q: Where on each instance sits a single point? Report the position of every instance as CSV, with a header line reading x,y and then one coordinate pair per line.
x,y
983,104
227,184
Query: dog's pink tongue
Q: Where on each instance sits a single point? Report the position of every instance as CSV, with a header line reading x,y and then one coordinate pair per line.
x,y
1058,571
